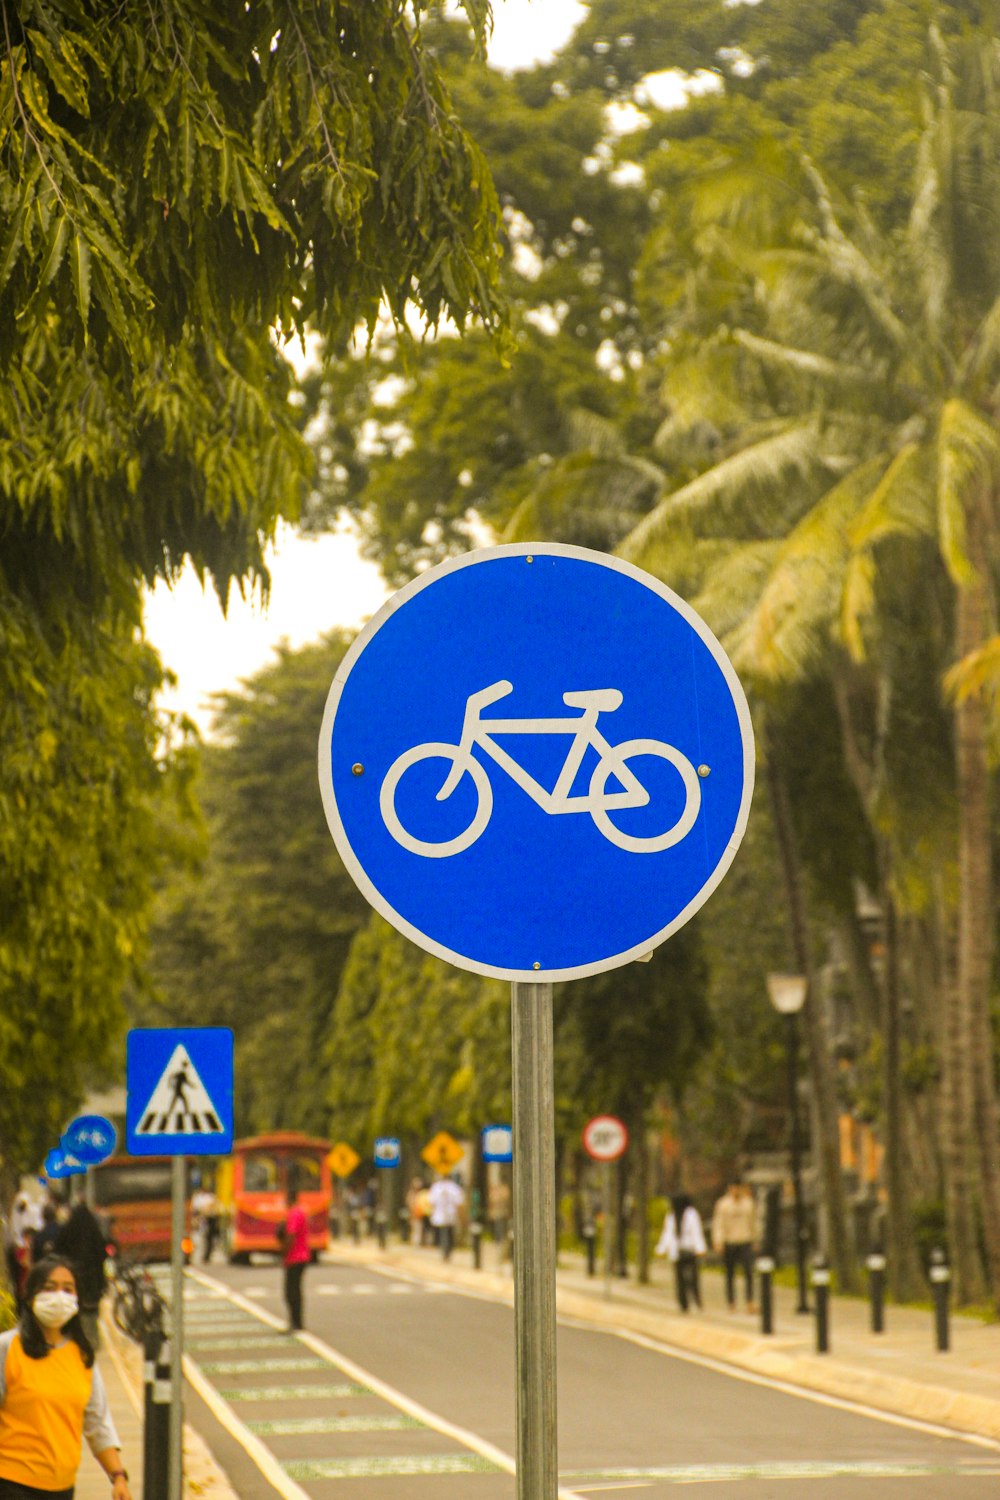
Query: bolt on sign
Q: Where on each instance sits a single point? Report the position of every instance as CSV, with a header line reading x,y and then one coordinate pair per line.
x,y
442,1153
342,1159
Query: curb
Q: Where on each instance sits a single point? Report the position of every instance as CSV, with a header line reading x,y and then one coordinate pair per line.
x,y
204,1479
958,1411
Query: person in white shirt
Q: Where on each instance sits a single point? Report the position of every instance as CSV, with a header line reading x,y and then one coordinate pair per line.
x,y
683,1243
734,1233
447,1196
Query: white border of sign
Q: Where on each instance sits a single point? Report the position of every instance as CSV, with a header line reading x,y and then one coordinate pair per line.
x,y
357,872
605,1155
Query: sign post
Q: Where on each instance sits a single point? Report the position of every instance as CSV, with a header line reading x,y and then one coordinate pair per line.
x,y
564,834
387,1156
605,1139
180,1103
534,1240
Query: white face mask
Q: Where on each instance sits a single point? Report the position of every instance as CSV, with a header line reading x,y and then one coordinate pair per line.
x,y
54,1309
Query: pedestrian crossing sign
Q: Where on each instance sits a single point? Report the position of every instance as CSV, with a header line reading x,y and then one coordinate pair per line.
x,y
180,1091
442,1153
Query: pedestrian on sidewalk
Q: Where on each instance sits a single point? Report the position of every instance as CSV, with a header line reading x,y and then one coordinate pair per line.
x,y
682,1241
295,1242
52,1395
82,1241
447,1197
734,1234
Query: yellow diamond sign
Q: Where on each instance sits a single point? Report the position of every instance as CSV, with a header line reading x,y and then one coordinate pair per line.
x,y
342,1159
442,1152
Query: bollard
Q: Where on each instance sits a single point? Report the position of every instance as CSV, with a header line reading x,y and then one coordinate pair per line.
x,y
356,1228
156,1417
876,1291
476,1231
590,1239
764,1266
404,1225
821,1286
940,1274
381,1229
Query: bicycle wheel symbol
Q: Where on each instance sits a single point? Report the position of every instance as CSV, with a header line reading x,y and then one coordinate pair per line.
x,y
480,818
609,765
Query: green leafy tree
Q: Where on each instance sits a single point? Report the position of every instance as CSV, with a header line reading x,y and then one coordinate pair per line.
x,y
257,934
182,187
883,349
87,799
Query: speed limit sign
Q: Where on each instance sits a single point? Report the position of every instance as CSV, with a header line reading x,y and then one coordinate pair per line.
x,y
605,1138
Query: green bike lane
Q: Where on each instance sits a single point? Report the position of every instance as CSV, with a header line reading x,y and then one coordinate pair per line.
x,y
298,1417
286,1414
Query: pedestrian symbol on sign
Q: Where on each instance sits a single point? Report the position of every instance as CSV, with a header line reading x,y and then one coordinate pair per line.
x,y
180,1103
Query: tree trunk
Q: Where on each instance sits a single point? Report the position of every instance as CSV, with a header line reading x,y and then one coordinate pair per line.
x,y
975,919
903,1267
956,1145
827,1146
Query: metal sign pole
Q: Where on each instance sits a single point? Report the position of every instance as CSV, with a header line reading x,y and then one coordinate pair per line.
x,y
608,1231
177,1183
534,1241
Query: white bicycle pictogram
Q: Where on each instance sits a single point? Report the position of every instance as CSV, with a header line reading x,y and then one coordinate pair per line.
x,y
599,803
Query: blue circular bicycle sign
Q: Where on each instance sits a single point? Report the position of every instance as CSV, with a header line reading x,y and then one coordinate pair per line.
x,y
536,762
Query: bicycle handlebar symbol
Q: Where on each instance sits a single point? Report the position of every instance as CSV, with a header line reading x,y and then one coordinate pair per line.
x,y
599,803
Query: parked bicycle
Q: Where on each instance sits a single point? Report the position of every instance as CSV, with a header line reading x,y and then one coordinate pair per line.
x,y
137,1307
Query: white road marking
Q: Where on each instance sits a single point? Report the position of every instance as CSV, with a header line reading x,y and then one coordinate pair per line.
x,y
261,1455
735,1372
388,1393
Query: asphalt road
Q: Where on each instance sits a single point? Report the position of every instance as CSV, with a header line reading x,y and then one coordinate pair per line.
x,y
402,1391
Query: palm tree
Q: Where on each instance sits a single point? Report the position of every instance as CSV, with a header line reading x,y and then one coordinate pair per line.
x,y
878,354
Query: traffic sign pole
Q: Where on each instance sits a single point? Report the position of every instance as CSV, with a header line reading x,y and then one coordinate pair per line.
x,y
535,1241
177,1177
608,1246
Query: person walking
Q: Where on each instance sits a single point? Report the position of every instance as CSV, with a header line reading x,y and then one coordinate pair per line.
x,y
22,1226
44,1243
415,1206
82,1242
734,1233
52,1395
682,1241
498,1208
447,1196
296,1258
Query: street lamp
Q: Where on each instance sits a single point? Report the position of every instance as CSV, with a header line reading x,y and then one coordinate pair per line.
x,y
787,993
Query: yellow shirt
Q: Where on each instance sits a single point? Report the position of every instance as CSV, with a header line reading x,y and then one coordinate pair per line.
x,y
41,1418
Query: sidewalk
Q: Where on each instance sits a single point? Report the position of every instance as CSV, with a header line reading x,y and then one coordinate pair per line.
x,y
898,1371
92,1483
120,1362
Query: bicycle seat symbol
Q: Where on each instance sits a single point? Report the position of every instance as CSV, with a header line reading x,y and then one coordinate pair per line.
x,y
597,800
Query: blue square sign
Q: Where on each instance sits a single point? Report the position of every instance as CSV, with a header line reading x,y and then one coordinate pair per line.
x,y
180,1091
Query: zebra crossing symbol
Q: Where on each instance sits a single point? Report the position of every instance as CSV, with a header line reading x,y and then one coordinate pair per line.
x,y
180,1104
180,1091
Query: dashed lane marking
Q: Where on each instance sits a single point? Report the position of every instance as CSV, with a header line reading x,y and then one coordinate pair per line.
x,y
238,1341
819,1469
294,1392
370,1468
481,1452
293,1426
256,1366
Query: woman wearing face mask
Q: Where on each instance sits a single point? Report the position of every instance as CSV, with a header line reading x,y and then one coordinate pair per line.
x,y
52,1395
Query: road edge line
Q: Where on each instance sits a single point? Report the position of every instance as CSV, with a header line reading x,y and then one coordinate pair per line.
x,y
388,1393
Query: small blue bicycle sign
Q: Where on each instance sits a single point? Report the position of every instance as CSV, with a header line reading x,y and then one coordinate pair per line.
x,y
612,764
536,762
